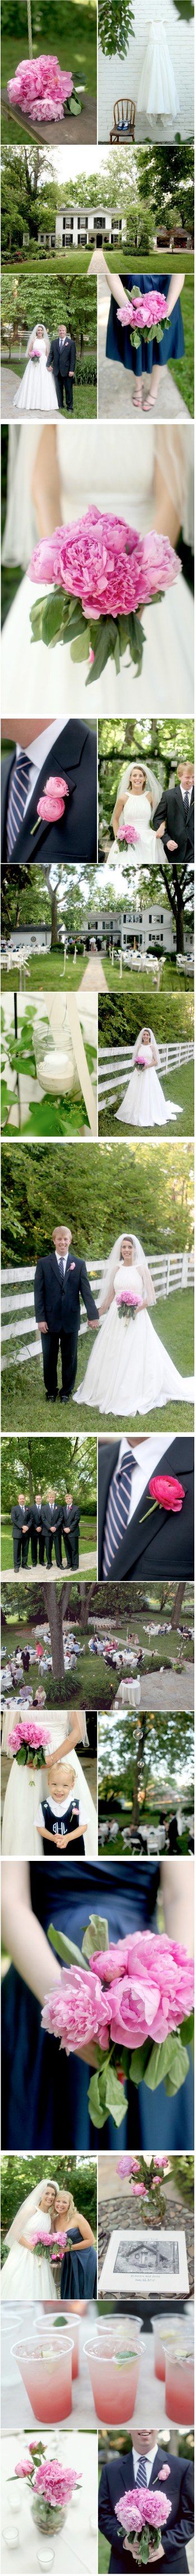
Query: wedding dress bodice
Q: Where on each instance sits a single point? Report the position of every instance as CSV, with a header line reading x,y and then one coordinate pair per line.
x,y
145,1055
129,1276
137,810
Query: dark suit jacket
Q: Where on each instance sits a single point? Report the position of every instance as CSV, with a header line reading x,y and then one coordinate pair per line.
x,y
179,827
179,2489
36,1516
75,837
59,1307
62,356
163,1544
19,1517
51,1516
70,1519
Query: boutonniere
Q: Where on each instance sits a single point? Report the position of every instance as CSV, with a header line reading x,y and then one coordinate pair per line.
x,y
72,1265
167,1492
52,804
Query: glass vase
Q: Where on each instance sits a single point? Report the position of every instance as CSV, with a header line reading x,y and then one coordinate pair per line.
x,y
49,2517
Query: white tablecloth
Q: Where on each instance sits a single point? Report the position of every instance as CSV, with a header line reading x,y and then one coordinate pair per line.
x,y
76,2545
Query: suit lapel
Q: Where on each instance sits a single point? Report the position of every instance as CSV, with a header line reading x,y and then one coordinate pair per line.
x,y
141,1531
65,757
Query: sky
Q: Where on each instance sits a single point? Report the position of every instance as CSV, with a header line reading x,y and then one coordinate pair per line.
x,y
65,168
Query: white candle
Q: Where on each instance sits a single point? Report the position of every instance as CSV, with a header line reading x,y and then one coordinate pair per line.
x,y
57,1071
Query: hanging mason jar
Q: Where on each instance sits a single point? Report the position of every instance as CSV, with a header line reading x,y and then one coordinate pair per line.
x,y
55,1064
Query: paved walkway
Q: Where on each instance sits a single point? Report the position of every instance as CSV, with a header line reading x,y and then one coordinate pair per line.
x,y
38,1573
94,976
169,1690
115,384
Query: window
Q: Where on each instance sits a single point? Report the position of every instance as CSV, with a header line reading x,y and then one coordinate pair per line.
x,y
150,916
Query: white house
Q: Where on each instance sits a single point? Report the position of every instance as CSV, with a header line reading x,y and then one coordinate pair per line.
x,y
152,928
81,227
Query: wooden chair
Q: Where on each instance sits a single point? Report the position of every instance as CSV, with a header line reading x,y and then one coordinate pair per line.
x,y
124,111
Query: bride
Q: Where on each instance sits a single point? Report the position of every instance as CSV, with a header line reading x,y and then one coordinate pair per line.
x,y
129,1371
148,482
26,1786
143,1104
37,391
135,802
24,2275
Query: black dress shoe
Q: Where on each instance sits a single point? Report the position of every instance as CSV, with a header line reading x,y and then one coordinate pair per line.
x,y
64,1399
50,1399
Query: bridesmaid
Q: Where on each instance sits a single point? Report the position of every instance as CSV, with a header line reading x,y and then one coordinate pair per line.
x,y
79,2268
44,2092
152,354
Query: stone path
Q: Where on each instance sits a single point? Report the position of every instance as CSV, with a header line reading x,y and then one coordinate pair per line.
x,y
94,976
169,1690
115,385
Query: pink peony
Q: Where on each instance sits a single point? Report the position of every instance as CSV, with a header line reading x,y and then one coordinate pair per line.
x,y
54,2482
23,2469
40,88
106,564
127,833
156,1991
141,2505
149,308
77,2011
32,1731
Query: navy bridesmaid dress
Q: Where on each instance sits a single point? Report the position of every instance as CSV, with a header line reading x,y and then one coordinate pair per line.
x,y
45,2093
156,352
79,2271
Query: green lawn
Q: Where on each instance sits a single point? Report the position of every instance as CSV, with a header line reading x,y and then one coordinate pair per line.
x,y
47,970
73,39
176,1086
46,973
146,989
23,1398
87,1543
93,1684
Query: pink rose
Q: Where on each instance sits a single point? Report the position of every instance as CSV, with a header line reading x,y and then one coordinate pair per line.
x,y
77,2011
167,1491
48,811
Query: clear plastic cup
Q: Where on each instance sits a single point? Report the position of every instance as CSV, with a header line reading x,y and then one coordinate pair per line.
x,y
114,2364
179,2382
45,2363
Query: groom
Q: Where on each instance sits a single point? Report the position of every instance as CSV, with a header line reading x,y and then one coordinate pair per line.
x,y
62,360
133,1537
60,1280
173,819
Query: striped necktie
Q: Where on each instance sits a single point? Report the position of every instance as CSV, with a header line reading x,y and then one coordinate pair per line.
x,y
117,1511
141,2479
17,798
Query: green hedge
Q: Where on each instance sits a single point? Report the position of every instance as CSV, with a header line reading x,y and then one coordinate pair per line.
x,y
120,1015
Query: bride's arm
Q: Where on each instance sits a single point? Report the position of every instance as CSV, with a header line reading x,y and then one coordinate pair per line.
x,y
45,483
68,1744
108,1301
171,473
119,809
22,1935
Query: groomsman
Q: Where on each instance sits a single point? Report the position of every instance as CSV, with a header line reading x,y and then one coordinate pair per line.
x,y
143,2465
51,1514
70,1530
37,1533
21,1527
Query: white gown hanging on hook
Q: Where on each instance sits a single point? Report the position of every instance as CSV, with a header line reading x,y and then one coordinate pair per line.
x,y
157,94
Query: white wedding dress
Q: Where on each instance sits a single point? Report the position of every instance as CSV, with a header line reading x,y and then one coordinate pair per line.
x,y
129,1371
144,1104
26,1787
23,2276
137,810
121,481
37,389
157,94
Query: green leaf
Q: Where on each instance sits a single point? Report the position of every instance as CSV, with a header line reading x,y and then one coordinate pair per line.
x,y
106,639
112,2093
66,1950
75,106
135,337
96,2108
168,2064
96,1936
136,640
53,619
139,2061
187,2028
80,647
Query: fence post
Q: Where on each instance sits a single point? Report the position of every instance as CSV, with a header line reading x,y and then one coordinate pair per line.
x,y
184,1278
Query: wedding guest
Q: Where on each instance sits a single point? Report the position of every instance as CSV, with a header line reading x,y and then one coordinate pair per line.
x,y
61,1816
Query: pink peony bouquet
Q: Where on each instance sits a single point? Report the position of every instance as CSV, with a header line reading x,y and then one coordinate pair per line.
x,y
145,2177
128,1304
51,2484
29,1741
147,315
132,2001
46,2243
127,833
142,2511
103,574
40,89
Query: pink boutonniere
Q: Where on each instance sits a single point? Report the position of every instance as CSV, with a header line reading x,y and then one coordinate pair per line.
x,y
72,1265
167,1492
164,2473
52,804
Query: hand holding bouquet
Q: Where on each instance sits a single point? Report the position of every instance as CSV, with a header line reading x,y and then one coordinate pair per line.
x,y
132,2001
47,2243
128,1304
145,2513
103,574
147,317
29,1739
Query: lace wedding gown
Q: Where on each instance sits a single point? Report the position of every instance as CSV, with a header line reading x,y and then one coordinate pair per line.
x,y
31,674
129,1371
144,1104
25,1789
137,810
157,94
23,2276
37,389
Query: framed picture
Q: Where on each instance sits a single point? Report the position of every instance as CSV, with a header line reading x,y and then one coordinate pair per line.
x,y
146,2260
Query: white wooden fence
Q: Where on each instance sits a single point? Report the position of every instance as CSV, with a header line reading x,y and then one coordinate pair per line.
x,y
20,1339
115,1066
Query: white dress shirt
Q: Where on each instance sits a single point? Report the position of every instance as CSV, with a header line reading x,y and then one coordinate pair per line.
x,y
149,2458
148,1458
186,791
37,752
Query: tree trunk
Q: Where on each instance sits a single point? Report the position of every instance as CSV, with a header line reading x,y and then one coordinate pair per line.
x,y
31,1488
54,920
53,1604
86,1596
179,924
177,1605
138,1769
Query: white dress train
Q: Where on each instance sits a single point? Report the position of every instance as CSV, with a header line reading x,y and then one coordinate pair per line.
x,y
37,389
23,2276
143,1104
89,471
157,93
129,1372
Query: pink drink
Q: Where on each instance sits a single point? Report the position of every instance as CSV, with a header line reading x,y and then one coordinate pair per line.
x,y
179,2389
159,2362
75,2353
114,2388
47,2378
